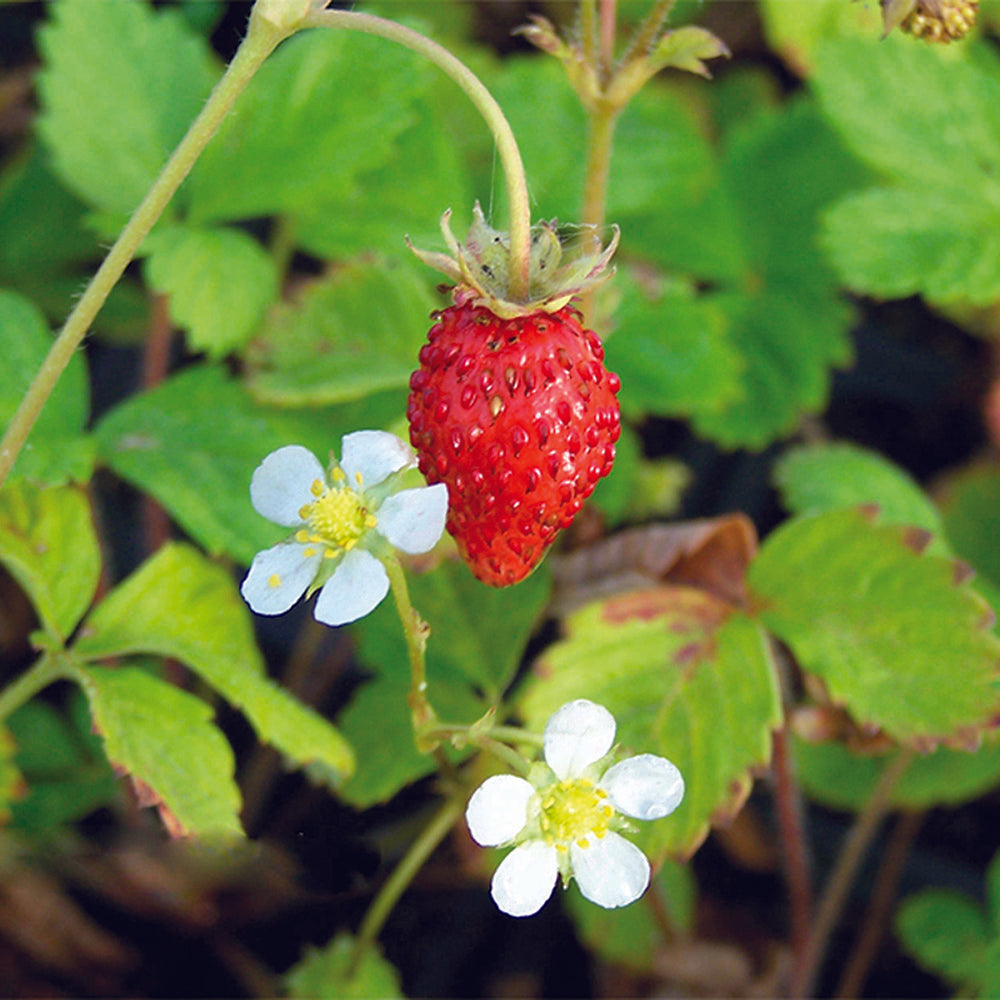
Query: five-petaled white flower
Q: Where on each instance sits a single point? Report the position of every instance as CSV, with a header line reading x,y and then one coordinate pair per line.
x,y
564,819
345,522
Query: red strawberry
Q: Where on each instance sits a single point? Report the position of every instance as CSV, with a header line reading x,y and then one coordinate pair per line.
x,y
512,406
519,418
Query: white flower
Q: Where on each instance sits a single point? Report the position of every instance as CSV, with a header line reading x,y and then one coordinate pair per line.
x,y
345,523
565,820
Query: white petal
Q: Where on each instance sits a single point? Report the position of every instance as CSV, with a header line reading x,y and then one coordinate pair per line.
x,y
280,484
278,577
354,590
375,454
645,787
576,735
611,871
498,809
525,879
413,520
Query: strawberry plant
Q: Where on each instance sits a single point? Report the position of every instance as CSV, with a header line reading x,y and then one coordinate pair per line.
x,y
655,547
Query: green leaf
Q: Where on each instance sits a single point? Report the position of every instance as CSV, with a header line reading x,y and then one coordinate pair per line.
x,y
322,974
672,353
892,635
352,334
120,87
818,478
57,450
686,678
946,933
786,320
323,110
165,738
180,605
895,242
219,282
200,469
632,936
837,778
687,48
916,113
11,782
64,766
971,512
47,542
478,636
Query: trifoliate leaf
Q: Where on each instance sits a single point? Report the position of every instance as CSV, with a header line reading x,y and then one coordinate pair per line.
x,y
57,450
219,282
686,677
835,777
333,346
323,974
672,353
823,477
165,739
48,545
64,766
180,605
478,635
322,111
120,87
199,467
892,634
632,936
971,512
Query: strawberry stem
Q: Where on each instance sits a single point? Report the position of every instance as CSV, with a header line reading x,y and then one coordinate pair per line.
x,y
486,105
262,38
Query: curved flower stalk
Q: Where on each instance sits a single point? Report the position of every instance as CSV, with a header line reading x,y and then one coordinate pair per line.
x,y
348,521
565,817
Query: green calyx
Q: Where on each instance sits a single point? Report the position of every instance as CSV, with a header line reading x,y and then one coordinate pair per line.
x,y
558,268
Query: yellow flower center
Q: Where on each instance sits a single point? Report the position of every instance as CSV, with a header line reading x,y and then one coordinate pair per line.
x,y
573,810
337,518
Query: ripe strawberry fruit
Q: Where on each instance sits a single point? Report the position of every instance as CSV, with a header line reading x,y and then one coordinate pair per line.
x,y
516,414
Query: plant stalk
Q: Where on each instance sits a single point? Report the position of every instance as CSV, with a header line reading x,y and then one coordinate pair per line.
x,y
261,40
486,105
47,669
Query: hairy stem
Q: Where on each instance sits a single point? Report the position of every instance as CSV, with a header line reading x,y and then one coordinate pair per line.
x,y
649,31
486,105
261,40
860,836
403,875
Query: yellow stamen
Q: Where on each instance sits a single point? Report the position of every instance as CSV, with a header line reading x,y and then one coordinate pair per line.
x,y
274,580
309,553
573,811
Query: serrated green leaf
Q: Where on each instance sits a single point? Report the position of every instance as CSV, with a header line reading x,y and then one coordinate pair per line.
x,y
322,974
48,545
478,635
120,87
921,115
895,242
672,354
837,778
632,935
685,678
687,48
818,478
971,512
323,110
165,738
199,468
946,933
891,634
352,334
57,450
180,605
219,282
